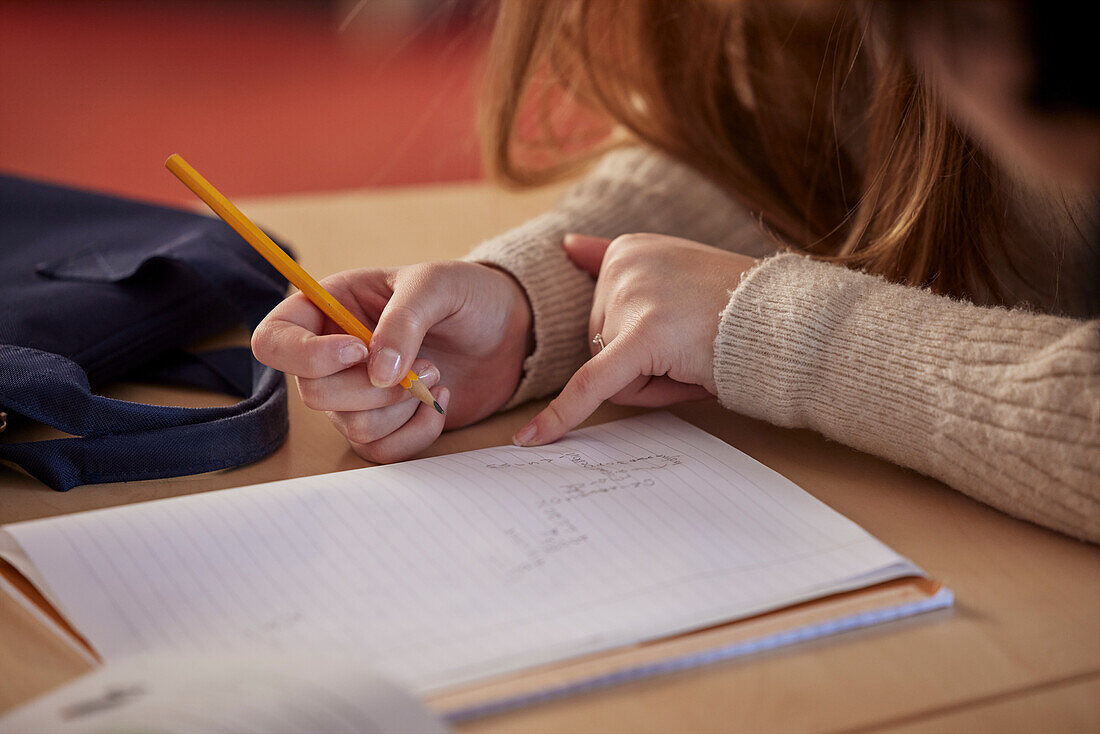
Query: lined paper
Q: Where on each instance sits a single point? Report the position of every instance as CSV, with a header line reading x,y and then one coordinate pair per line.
x,y
441,571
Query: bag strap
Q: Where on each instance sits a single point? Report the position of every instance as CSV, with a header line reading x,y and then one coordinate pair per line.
x,y
119,440
217,370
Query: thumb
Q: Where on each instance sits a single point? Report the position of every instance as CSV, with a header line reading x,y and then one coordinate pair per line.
x,y
586,251
412,310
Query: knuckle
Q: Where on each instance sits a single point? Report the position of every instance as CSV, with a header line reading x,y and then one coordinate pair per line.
x,y
342,285
383,454
316,361
622,242
401,316
422,269
628,251
632,241
424,275
312,393
554,408
366,452
336,281
619,252
269,339
439,284
368,288
584,383
616,247
344,281
261,342
440,268
358,428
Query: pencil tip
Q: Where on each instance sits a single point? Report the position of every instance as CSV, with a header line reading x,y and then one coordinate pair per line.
x,y
438,407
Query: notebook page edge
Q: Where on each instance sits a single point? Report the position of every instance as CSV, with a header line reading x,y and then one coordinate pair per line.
x,y
943,598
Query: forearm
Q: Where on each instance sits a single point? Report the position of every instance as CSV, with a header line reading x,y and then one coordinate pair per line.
x,y
629,191
1002,405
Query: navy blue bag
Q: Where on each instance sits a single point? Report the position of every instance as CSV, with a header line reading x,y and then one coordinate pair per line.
x,y
95,289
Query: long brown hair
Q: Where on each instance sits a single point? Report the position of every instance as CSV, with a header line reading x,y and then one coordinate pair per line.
x,y
815,125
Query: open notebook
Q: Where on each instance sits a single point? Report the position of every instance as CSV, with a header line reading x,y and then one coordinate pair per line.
x,y
484,579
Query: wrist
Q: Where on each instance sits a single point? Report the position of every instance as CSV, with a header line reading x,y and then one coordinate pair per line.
x,y
720,293
520,320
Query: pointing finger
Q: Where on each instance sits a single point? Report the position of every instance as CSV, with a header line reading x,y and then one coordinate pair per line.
x,y
598,379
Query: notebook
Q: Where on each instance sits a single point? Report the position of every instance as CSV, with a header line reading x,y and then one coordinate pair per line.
x,y
486,579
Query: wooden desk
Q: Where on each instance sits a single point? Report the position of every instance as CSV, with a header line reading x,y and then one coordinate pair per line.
x,y
1020,650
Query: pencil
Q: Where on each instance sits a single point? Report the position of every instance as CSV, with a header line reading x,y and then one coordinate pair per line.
x,y
282,262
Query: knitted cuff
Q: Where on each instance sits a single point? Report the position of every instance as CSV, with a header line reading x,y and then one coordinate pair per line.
x,y
561,298
807,344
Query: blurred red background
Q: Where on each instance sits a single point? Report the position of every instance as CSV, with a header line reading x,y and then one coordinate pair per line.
x,y
262,97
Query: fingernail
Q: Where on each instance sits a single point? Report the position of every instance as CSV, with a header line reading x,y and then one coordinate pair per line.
x,y
352,353
383,367
443,398
428,374
524,435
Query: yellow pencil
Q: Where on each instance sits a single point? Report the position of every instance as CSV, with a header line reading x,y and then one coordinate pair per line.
x,y
282,262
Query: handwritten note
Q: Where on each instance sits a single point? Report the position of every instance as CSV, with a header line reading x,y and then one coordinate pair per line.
x,y
443,570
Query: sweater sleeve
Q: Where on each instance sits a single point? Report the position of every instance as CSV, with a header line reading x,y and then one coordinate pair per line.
x,y
631,190
1002,405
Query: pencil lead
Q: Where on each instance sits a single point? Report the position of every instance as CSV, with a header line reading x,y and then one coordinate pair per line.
x,y
438,407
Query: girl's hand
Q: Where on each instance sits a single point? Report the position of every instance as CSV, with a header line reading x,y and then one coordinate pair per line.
x,y
657,305
469,324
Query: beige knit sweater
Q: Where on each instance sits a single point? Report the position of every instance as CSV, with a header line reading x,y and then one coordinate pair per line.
x,y
1001,404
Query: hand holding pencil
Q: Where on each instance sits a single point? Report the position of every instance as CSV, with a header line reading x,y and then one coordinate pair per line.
x,y
282,262
467,321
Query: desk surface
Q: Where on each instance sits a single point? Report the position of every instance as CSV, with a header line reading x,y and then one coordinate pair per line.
x,y
1020,650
